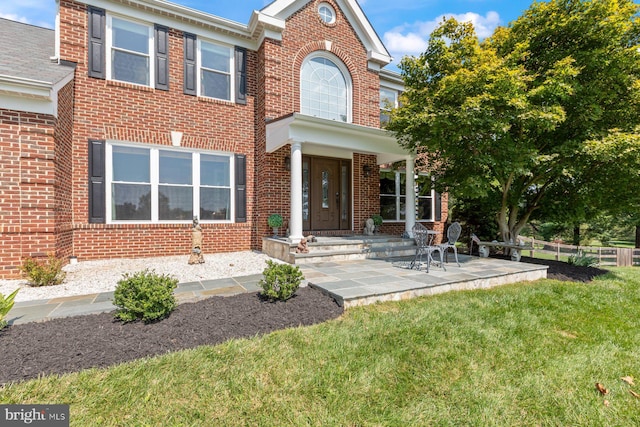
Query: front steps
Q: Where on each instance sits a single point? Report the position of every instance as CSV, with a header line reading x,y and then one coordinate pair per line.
x,y
340,248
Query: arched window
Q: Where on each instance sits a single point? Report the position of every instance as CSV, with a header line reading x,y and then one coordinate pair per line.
x,y
326,88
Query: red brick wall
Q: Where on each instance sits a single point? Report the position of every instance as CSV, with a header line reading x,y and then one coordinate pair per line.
x,y
63,152
27,179
140,240
10,224
120,111
273,181
366,190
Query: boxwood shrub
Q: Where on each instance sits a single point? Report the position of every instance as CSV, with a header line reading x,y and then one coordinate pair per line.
x,y
280,281
144,295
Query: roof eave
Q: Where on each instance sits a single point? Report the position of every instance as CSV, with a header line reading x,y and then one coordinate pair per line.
x,y
263,26
35,96
177,12
305,129
26,87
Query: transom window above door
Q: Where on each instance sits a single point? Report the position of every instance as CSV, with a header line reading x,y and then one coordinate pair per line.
x,y
325,88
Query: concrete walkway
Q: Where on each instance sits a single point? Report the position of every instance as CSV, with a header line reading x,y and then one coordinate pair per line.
x,y
350,283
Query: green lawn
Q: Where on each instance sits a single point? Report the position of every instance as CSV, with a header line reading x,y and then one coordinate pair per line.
x,y
526,354
623,243
544,255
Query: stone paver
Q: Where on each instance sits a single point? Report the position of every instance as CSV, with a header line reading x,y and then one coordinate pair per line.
x,y
350,283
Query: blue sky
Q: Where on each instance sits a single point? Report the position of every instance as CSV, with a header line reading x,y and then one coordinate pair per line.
x,y
403,25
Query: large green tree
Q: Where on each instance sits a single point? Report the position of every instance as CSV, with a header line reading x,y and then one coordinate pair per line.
x,y
509,118
612,167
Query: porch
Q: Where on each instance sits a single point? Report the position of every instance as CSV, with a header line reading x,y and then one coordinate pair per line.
x,y
332,176
359,270
367,281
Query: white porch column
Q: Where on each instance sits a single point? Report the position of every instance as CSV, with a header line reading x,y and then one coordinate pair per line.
x,y
295,222
410,182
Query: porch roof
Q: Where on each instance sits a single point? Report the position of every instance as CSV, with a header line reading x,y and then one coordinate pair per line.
x,y
305,129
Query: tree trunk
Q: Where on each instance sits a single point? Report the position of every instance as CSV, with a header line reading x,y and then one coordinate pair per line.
x,y
576,234
638,236
510,228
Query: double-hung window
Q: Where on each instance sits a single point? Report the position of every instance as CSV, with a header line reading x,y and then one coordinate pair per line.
x,y
215,187
131,184
393,200
175,185
130,51
216,69
388,100
150,184
425,202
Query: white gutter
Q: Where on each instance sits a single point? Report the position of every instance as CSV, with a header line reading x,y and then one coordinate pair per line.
x,y
31,95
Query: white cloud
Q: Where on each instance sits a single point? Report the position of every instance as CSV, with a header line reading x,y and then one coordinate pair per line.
x,y
410,44
14,17
484,25
412,39
34,12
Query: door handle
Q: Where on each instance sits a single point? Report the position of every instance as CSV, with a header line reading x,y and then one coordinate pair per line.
x,y
337,199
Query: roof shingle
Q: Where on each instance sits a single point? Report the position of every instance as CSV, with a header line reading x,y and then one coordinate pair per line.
x,y
26,52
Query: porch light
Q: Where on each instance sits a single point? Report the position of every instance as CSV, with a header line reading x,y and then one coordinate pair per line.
x,y
287,163
366,170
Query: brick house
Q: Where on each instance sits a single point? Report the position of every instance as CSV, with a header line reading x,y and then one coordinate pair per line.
x,y
134,116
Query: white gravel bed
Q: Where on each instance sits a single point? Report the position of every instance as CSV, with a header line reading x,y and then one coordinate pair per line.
x,y
90,277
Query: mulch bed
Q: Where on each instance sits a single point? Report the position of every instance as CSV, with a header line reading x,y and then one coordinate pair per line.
x,y
94,341
559,270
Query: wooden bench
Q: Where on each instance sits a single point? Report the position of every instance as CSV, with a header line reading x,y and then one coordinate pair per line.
x,y
483,247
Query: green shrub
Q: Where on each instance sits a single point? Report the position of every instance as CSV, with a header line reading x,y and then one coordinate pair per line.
x,y
144,295
275,220
377,220
43,273
582,260
280,281
6,304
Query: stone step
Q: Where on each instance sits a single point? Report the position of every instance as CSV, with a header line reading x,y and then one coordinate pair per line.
x,y
355,244
353,253
340,249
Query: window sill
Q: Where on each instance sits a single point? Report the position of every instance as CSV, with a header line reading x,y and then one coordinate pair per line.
x,y
215,101
402,221
118,83
155,225
169,223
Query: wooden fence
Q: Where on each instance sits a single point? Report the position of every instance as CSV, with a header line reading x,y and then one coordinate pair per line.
x,y
620,257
